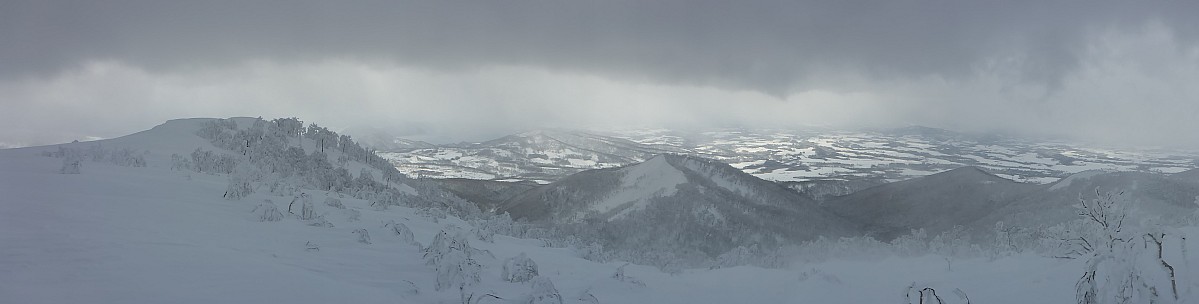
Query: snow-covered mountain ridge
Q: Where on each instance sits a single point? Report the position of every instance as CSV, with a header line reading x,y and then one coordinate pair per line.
x,y
694,208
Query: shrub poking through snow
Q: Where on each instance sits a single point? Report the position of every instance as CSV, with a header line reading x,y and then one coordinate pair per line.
x,y
401,231
519,269
928,295
268,212
585,296
363,236
409,288
239,187
320,221
450,253
310,246
544,292
619,275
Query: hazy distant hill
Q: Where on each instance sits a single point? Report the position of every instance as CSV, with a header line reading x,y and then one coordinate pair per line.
x,y
936,202
1151,197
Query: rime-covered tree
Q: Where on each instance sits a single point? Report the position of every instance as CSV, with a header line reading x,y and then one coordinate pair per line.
x,y
1123,265
240,184
519,268
267,212
321,136
544,292
450,255
335,203
363,236
402,232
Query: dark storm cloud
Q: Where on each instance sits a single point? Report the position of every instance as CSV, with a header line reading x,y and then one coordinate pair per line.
x,y
1113,71
776,47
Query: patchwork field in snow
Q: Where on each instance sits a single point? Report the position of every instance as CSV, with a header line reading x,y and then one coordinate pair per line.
x,y
784,155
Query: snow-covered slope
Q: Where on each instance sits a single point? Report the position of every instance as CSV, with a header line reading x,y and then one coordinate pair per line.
x,y
976,200
1189,175
680,204
1151,196
935,203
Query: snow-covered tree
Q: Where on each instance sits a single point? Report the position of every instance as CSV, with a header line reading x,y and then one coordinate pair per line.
x,y
363,236
290,127
307,211
322,136
212,162
239,187
450,254
401,231
126,158
335,203
178,162
239,182
484,234
1123,265
544,292
319,221
519,269
267,211
304,199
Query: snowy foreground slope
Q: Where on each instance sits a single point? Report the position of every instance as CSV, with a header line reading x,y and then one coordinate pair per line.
x,y
130,234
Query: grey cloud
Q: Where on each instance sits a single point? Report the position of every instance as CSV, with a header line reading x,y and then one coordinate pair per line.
x,y
778,47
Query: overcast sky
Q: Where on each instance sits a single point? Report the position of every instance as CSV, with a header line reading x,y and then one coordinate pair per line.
x,y
1116,71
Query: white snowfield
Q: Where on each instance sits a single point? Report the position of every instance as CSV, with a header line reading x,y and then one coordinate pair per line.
x,y
117,234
